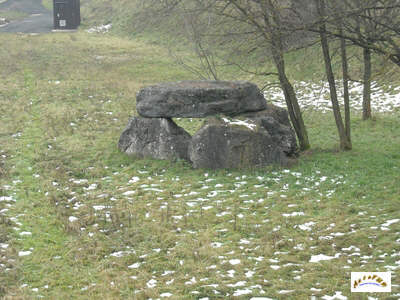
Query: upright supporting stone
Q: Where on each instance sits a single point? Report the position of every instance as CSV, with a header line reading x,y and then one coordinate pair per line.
x,y
276,121
156,137
224,143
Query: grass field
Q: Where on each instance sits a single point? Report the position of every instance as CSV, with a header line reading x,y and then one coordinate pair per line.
x,y
12,15
80,220
48,4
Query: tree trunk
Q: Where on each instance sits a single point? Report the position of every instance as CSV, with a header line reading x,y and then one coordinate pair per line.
x,y
291,100
367,85
346,90
273,23
344,143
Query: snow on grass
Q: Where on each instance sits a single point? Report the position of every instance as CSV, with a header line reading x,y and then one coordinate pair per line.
x,y
24,253
385,225
234,262
351,248
306,226
337,296
316,96
129,193
188,202
152,283
72,219
134,266
322,257
294,214
216,245
25,233
78,181
238,293
282,292
6,198
100,29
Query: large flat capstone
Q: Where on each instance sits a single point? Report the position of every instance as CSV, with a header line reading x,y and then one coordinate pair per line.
x,y
197,99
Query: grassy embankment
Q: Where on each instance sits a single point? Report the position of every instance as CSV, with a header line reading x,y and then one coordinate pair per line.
x,y
94,222
48,4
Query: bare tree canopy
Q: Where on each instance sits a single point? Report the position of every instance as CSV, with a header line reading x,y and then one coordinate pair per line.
x,y
370,24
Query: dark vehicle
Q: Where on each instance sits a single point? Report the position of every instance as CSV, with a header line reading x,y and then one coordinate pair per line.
x,y
67,14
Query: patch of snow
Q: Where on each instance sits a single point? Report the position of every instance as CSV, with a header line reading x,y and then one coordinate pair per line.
x,y
135,265
285,291
99,207
72,219
192,281
100,29
237,284
25,233
167,273
337,296
294,214
234,262
128,193
320,257
91,187
134,179
24,253
275,267
6,198
306,226
3,246
385,225
216,245
247,123
238,293
152,283
316,97
249,274
351,248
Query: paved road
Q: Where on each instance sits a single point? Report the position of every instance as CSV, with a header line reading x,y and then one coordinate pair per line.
x,y
39,20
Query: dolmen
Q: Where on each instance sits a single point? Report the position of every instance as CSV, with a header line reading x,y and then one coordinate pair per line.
x,y
240,129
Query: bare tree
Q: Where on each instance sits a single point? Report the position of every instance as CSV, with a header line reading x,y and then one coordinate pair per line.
x,y
371,24
346,96
345,143
266,19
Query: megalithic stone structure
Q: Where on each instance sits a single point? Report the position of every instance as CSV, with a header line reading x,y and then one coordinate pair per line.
x,y
241,130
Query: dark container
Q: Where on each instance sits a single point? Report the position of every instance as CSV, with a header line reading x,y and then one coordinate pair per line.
x,y
67,14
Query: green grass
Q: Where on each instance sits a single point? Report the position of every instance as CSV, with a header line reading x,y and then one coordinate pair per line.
x,y
11,15
127,19
48,4
64,101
